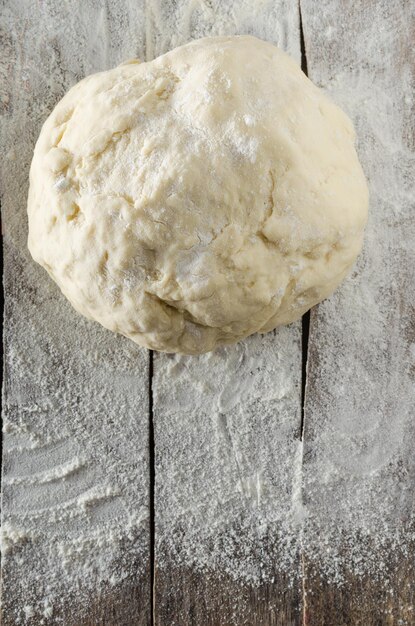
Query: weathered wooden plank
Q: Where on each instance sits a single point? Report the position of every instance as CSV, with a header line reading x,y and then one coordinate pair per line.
x,y
75,467
359,466
226,449
226,424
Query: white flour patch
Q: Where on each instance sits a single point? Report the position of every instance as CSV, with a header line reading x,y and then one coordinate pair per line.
x,y
226,429
243,145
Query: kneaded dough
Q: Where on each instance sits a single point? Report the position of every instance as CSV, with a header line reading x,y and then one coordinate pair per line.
x,y
191,201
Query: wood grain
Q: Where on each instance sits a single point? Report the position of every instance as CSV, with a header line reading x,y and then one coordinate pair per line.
x,y
66,381
210,515
209,450
186,596
360,398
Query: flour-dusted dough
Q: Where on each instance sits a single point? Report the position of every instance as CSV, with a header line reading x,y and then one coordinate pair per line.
x,y
191,201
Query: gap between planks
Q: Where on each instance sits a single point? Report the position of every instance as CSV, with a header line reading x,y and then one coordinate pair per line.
x,y
305,321
3,308
152,467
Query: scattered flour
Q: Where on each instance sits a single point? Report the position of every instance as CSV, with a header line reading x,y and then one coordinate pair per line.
x,y
248,487
359,465
235,497
236,489
75,514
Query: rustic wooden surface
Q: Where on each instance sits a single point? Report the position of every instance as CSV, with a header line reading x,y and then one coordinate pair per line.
x,y
46,48
201,463
359,353
181,595
186,440
185,596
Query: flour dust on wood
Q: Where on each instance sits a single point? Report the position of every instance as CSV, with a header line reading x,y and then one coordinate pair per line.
x,y
226,457
235,490
75,518
227,423
231,478
359,466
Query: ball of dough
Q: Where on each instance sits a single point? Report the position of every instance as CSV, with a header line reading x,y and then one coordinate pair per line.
x,y
191,201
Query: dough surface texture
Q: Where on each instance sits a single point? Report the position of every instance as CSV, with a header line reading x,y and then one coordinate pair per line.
x,y
191,201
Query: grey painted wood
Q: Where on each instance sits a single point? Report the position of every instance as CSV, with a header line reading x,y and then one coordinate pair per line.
x,y
359,467
73,392
222,420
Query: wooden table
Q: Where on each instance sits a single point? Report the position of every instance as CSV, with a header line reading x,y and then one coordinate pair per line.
x,y
362,52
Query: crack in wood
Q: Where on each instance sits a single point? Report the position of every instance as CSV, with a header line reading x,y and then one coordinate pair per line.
x,y
302,43
3,313
305,333
305,321
152,469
